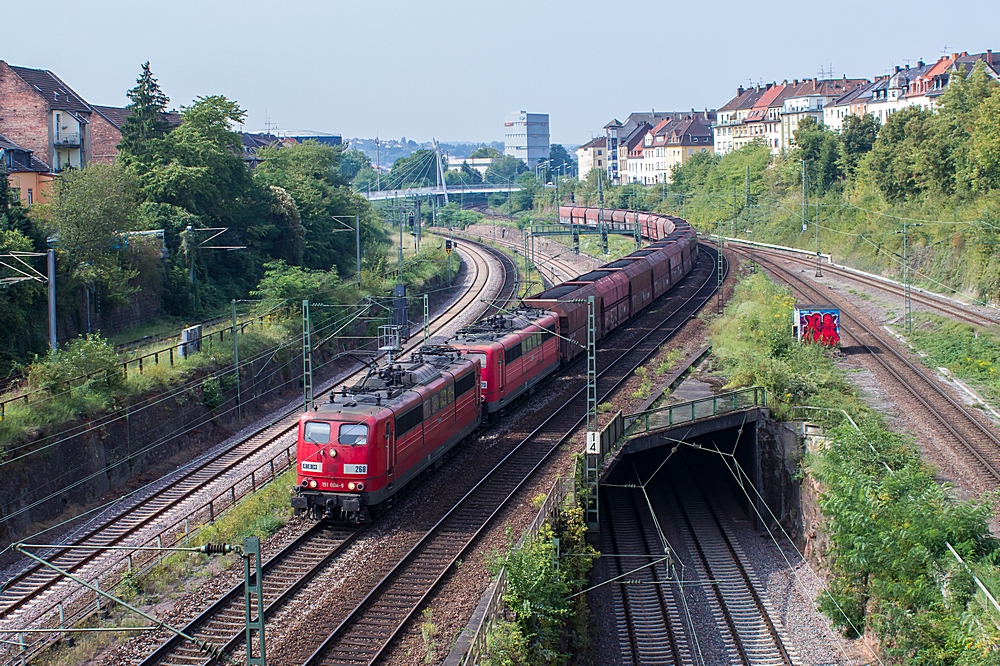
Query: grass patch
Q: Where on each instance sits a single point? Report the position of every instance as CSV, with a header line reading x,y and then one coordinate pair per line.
x,y
887,518
673,357
970,352
754,343
260,514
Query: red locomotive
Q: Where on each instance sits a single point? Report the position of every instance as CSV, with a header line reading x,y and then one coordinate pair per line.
x,y
516,350
358,450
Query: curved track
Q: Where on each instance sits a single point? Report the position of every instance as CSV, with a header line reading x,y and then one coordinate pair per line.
x,y
979,441
558,270
36,584
942,304
363,636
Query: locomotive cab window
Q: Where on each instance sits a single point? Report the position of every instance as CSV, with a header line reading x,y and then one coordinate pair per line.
x,y
353,434
316,432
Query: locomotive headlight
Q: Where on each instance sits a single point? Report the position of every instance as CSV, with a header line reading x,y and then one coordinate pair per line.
x,y
333,453
312,483
350,486
361,486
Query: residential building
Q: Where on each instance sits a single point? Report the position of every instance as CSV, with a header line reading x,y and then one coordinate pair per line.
x,y
44,115
28,175
683,140
526,136
853,103
252,143
616,132
891,97
925,88
730,118
808,100
630,153
762,122
592,155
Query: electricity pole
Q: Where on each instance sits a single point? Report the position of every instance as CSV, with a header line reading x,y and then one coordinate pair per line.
x,y
50,258
719,276
753,265
307,384
819,258
907,277
236,362
593,450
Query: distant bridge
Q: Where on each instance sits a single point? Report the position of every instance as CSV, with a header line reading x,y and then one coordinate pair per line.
x,y
437,190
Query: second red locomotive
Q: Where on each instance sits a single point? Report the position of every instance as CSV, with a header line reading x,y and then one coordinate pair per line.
x,y
359,449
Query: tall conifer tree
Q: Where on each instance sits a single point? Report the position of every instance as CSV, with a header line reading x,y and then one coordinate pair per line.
x,y
148,119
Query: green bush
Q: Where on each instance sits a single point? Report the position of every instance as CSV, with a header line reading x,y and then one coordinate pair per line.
x,y
87,356
887,518
755,345
549,626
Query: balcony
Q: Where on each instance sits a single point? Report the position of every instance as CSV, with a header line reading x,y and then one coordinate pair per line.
x,y
67,140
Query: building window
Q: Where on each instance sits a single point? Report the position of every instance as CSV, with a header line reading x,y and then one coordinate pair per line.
x,y
31,197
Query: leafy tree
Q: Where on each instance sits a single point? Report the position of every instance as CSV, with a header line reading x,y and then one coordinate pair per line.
x,y
693,173
147,120
466,175
905,158
504,169
21,305
984,156
198,169
417,170
559,157
312,174
857,137
353,161
485,151
820,149
91,212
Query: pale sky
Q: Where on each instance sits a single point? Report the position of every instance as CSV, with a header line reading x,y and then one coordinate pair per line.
x,y
451,69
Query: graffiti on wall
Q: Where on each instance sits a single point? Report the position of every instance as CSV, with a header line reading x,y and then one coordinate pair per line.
x,y
819,325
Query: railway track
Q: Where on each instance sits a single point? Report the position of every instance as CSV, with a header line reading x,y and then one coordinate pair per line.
x,y
35,591
649,604
977,440
559,270
363,636
221,624
943,305
749,634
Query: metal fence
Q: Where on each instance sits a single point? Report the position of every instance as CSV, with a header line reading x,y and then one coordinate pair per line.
x,y
137,362
693,410
563,489
132,564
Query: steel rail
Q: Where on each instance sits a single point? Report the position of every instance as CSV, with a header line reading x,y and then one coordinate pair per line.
x,y
298,562
37,580
216,619
915,379
381,615
654,631
940,304
748,616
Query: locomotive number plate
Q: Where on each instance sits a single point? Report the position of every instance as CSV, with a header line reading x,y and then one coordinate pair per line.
x,y
355,469
312,467
482,384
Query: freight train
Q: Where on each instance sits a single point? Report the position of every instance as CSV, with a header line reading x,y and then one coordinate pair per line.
x,y
358,450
